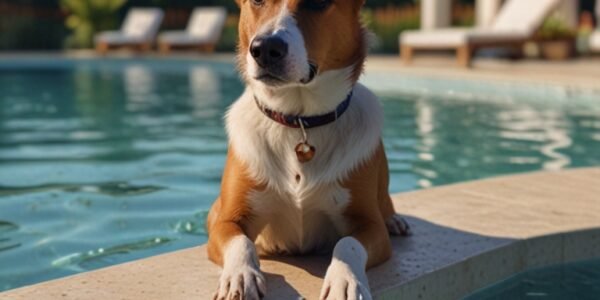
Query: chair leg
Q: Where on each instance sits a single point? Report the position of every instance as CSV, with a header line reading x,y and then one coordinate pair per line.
x,y
102,48
463,56
146,47
164,48
207,48
406,53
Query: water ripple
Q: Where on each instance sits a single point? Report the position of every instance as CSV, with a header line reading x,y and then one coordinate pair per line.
x,y
79,258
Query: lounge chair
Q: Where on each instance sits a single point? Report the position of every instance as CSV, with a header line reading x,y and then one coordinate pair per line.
x,y
203,31
517,22
595,41
139,30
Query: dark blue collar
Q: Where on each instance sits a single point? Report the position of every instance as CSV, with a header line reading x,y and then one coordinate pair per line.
x,y
308,121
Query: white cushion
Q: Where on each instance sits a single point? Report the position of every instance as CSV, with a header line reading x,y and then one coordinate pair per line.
x,y
118,38
454,37
595,41
447,37
207,23
204,27
524,16
142,23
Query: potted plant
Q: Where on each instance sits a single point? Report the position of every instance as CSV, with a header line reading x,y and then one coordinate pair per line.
x,y
556,39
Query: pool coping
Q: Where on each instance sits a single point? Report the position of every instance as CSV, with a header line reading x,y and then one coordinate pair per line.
x,y
466,236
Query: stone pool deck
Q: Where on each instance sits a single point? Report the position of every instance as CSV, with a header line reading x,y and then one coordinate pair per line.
x,y
466,236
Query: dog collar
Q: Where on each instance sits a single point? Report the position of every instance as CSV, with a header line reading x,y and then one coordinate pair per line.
x,y
307,122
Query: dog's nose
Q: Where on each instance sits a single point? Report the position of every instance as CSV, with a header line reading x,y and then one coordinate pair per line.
x,y
268,50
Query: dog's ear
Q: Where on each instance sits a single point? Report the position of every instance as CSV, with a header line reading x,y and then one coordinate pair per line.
x,y
238,2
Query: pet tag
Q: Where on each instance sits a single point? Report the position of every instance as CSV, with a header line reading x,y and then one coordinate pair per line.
x,y
305,152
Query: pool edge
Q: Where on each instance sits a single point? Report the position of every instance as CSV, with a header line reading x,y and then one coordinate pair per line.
x,y
467,235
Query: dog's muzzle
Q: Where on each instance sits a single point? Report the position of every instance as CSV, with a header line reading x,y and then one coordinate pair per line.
x,y
276,64
268,51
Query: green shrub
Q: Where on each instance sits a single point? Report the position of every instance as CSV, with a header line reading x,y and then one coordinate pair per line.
x,y
388,23
87,17
555,29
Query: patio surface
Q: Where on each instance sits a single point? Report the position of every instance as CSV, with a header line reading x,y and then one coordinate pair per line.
x,y
465,236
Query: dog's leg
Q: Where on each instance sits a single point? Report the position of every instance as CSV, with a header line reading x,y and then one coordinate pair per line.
x,y
228,245
241,277
346,277
369,244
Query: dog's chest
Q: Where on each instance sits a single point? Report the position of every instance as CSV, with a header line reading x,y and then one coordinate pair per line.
x,y
298,222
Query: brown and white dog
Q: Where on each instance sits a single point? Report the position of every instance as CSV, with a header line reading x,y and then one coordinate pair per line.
x,y
301,60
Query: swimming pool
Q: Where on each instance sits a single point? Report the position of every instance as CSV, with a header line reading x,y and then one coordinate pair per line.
x,y
106,161
571,281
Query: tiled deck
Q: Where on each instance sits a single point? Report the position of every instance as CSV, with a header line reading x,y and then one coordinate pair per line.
x,y
465,236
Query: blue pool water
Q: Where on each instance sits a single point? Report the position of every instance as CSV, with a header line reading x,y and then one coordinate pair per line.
x,y
106,161
572,281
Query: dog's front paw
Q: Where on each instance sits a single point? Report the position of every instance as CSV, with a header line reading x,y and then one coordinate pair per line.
x,y
243,283
341,283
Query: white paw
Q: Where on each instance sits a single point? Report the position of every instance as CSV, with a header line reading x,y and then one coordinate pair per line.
x,y
396,225
244,282
342,284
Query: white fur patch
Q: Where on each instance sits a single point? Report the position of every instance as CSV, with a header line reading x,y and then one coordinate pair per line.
x,y
241,275
298,223
346,277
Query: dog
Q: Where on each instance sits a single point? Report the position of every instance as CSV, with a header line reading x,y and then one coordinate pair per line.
x,y
306,170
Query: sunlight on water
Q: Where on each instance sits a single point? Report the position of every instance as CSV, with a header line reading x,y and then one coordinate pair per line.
x,y
107,161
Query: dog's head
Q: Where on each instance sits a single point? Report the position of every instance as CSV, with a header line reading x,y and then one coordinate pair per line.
x,y
288,42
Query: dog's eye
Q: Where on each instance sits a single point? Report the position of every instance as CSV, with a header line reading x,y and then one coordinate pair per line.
x,y
317,4
258,2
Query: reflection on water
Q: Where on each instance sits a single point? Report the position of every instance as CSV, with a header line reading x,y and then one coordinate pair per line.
x,y
432,141
108,161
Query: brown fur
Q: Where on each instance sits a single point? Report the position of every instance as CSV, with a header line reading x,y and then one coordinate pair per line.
x,y
230,210
370,205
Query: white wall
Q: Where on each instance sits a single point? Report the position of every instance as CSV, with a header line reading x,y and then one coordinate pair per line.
x,y
435,13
